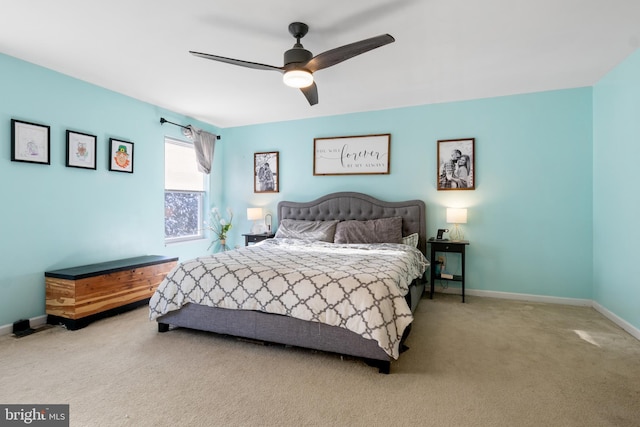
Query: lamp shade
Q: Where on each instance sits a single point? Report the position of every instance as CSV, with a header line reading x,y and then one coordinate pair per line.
x,y
254,214
456,216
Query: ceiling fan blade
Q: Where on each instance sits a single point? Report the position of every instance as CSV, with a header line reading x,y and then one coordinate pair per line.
x,y
342,53
311,93
254,65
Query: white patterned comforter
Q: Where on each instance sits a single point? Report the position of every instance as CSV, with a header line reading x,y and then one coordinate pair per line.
x,y
357,287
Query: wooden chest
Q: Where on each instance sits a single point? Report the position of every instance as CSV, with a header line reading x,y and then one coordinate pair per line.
x,y
79,295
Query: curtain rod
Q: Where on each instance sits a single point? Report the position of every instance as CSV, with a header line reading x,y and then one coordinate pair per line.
x,y
163,121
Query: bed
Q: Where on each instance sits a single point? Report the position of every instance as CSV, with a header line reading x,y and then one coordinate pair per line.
x,y
364,330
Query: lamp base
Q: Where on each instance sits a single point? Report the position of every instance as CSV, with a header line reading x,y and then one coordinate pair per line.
x,y
456,233
256,228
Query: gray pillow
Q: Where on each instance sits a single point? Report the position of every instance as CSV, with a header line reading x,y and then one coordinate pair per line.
x,y
383,230
307,230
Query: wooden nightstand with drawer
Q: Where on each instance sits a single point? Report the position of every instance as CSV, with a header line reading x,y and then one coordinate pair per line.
x,y
454,246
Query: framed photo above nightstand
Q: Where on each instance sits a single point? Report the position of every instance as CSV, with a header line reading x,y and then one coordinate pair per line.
x,y
456,164
266,178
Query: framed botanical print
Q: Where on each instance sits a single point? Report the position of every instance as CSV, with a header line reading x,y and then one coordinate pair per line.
x,y
81,150
266,178
456,164
120,156
30,142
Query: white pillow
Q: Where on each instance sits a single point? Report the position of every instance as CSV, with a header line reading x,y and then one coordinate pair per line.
x,y
411,240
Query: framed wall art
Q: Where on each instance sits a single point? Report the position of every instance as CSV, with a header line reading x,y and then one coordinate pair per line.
x,y
352,155
30,142
81,150
456,164
266,178
120,156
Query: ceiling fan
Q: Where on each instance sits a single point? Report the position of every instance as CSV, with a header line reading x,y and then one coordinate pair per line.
x,y
300,64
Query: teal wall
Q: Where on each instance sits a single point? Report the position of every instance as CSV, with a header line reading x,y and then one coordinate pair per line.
x,y
549,184
55,217
530,217
615,197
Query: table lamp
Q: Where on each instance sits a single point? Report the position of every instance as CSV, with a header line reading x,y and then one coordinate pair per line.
x,y
255,214
456,216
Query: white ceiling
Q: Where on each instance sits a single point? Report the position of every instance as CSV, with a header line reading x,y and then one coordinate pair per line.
x,y
445,50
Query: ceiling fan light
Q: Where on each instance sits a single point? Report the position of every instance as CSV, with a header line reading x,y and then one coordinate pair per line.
x,y
297,78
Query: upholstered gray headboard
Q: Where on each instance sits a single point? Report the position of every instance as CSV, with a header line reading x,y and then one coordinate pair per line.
x,y
350,205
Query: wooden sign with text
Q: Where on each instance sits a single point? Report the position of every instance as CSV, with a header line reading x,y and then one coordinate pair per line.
x,y
352,155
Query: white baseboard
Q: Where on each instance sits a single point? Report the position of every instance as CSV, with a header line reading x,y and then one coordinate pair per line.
x,y
635,332
6,330
34,322
531,297
632,330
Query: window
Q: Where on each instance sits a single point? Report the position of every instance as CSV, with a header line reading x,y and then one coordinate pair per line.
x,y
184,191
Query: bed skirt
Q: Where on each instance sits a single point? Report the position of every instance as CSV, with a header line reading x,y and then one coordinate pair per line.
x,y
280,329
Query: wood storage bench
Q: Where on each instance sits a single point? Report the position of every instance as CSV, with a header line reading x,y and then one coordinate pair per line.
x,y
79,295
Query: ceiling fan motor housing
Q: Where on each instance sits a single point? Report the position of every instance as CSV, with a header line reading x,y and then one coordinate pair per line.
x,y
297,55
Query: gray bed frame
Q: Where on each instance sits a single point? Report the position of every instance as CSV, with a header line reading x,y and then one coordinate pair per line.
x,y
280,329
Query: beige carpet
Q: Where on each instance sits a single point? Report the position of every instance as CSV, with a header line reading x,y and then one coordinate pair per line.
x,y
485,363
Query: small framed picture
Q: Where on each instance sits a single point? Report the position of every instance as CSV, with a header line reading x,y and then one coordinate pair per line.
x,y
81,150
456,164
120,156
30,142
265,173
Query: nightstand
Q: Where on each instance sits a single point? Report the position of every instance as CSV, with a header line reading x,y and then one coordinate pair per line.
x,y
455,246
251,238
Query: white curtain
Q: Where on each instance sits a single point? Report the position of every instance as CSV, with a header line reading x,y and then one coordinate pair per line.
x,y
204,143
